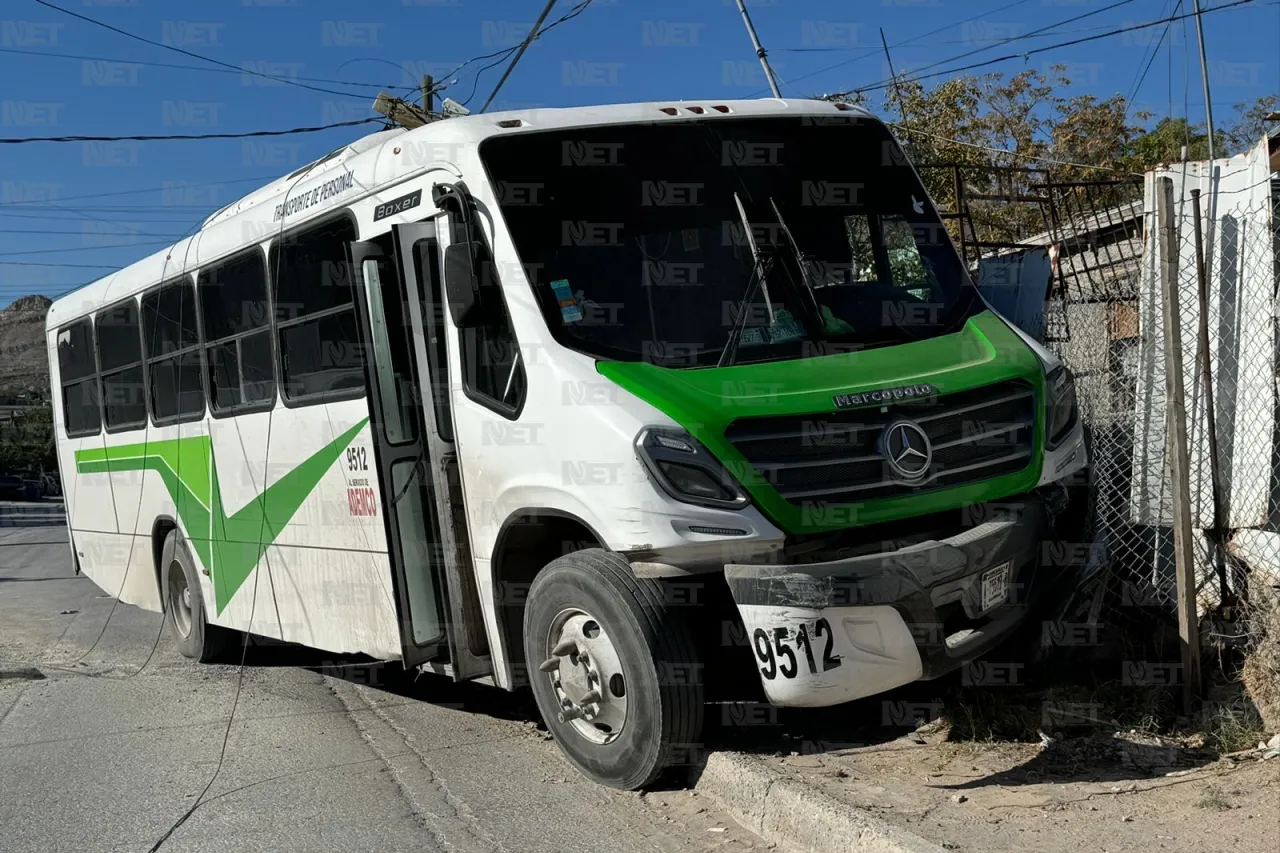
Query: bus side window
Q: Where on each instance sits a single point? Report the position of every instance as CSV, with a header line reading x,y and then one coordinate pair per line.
x,y
236,328
171,342
78,374
320,354
492,367
124,401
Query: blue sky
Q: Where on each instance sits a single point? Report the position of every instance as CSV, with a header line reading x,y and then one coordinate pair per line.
x,y
616,50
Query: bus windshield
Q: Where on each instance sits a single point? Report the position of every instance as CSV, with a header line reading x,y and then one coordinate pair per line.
x,y
663,242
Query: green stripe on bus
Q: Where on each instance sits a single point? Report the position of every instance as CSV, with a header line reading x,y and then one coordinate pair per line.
x,y
228,546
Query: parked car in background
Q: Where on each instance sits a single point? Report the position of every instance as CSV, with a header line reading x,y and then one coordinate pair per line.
x,y
12,487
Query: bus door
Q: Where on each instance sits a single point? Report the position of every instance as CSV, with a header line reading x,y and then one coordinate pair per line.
x,y
395,283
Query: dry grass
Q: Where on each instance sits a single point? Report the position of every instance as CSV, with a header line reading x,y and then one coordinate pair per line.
x,y
1260,673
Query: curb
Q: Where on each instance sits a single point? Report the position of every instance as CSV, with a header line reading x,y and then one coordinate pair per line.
x,y
22,515
796,817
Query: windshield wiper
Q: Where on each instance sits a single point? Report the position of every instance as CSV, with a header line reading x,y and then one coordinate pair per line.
x,y
760,267
802,262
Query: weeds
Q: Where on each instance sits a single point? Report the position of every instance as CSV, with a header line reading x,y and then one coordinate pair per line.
x,y
1213,800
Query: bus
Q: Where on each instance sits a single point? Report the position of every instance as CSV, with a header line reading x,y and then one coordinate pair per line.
x,y
633,405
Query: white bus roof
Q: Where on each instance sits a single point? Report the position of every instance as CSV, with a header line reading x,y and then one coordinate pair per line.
x,y
375,162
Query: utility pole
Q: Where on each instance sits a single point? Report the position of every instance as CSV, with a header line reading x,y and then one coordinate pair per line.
x,y
902,105
1204,78
428,94
760,52
1178,452
533,34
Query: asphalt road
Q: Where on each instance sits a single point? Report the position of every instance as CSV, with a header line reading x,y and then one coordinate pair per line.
x,y
117,740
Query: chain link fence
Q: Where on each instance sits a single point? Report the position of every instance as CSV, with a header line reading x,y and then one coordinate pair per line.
x,y
1103,313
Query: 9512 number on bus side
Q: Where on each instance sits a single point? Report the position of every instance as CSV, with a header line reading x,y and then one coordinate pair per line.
x,y
784,652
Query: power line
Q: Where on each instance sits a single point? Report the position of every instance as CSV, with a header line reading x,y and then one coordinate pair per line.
x,y
83,233
1108,8
1142,74
534,35
180,185
1046,48
908,42
84,248
77,266
192,54
1015,154
188,136
524,45
149,64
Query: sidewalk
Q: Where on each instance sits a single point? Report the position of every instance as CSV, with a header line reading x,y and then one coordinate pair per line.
x,y
32,513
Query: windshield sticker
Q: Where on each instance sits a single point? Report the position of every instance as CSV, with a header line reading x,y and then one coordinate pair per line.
x,y
569,310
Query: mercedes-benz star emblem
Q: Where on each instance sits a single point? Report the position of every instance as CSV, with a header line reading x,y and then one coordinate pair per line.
x,y
907,450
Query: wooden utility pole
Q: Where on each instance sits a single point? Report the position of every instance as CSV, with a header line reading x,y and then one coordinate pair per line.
x,y
1178,450
428,94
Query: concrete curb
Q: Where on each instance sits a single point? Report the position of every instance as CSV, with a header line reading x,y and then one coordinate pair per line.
x,y
796,817
30,514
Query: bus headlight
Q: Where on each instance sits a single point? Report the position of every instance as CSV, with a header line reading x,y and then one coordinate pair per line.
x,y
686,470
1060,406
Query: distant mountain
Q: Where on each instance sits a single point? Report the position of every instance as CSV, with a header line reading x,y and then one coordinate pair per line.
x,y
24,360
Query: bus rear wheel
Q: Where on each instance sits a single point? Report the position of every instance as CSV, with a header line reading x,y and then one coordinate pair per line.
x,y
184,604
613,669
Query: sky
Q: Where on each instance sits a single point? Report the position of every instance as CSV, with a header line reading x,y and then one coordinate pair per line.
x,y
71,212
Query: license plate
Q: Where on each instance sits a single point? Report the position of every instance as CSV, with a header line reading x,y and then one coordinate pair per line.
x,y
995,586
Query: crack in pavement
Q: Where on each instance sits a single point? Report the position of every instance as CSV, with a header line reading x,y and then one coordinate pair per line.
x,y
451,823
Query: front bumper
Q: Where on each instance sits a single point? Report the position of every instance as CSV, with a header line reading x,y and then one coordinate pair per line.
x,y
830,632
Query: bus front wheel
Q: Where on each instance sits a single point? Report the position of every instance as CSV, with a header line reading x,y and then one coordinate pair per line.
x,y
613,669
184,603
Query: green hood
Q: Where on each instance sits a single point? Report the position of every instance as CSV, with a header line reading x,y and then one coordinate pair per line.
x,y
705,401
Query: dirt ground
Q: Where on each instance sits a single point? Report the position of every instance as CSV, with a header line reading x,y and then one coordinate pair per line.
x,y
1101,794
1046,748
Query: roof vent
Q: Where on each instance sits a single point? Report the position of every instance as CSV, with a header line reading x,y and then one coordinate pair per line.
x,y
696,110
511,122
669,110
843,106
720,108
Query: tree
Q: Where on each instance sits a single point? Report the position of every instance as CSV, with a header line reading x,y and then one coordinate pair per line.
x,y
26,441
1163,143
1251,124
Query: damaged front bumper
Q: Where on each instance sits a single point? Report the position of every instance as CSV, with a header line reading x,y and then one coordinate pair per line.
x,y
830,632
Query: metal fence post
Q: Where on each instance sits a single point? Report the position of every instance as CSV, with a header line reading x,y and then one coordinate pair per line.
x,y
1179,455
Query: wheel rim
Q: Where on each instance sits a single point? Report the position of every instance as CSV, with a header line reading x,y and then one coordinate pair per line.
x,y
586,676
180,600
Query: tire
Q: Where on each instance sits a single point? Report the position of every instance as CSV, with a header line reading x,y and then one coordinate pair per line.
x,y
661,678
196,638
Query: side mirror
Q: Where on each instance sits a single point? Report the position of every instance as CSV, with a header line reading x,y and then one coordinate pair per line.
x,y
462,284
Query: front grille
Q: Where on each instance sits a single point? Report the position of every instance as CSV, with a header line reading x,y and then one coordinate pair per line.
x,y
835,457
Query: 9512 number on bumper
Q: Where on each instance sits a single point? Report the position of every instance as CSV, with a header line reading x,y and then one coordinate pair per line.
x,y
809,657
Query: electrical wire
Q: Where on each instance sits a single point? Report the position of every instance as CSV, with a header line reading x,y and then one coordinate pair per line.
x,y
567,16
1046,48
135,192
189,136
69,266
83,248
1142,75
175,65
984,48
257,574
1015,154
193,55
907,43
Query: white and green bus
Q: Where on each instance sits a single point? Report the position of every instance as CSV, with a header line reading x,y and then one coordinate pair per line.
x,y
618,403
